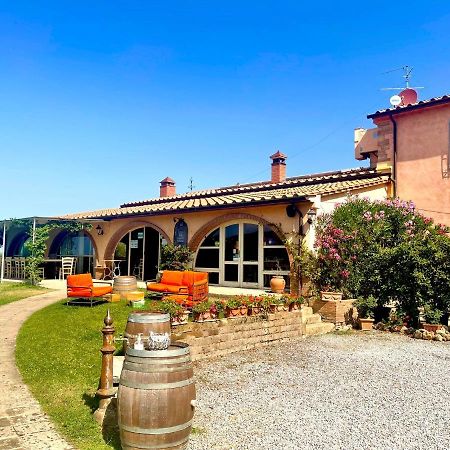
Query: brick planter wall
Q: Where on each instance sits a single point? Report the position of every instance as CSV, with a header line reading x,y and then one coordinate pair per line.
x,y
338,312
225,336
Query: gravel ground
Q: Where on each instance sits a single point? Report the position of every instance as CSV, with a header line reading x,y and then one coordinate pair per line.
x,y
357,391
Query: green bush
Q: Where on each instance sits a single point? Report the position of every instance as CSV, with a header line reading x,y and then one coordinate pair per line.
x,y
175,257
432,315
385,249
365,306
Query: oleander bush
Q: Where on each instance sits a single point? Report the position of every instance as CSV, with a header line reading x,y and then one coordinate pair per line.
x,y
386,249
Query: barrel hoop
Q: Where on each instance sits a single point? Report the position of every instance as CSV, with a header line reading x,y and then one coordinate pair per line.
x,y
132,367
164,361
156,386
166,430
157,353
141,318
133,445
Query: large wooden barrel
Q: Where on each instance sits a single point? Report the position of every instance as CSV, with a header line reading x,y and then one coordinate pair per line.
x,y
155,398
124,284
144,322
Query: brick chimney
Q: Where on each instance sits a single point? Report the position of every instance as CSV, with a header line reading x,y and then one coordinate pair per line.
x,y
167,188
278,167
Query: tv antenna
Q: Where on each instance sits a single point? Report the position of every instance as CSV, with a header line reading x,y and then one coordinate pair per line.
x,y
408,94
191,184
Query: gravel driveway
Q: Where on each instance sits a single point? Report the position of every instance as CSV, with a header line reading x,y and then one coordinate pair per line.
x,y
358,391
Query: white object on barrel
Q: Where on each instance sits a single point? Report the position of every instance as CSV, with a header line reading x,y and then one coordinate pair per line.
x,y
158,341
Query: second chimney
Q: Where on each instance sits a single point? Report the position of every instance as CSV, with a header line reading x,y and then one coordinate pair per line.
x,y
278,167
167,187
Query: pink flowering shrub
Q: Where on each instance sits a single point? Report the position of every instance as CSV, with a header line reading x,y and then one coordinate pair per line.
x,y
386,249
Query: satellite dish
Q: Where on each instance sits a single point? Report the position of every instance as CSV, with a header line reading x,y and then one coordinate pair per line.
x,y
409,96
395,100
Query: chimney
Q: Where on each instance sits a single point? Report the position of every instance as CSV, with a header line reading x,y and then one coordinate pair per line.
x,y
167,188
278,167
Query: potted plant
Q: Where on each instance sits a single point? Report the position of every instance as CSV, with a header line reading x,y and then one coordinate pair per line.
x,y
178,314
254,306
277,282
175,257
294,303
235,307
203,311
365,307
433,318
271,304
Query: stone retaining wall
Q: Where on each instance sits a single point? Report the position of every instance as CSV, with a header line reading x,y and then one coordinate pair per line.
x,y
225,336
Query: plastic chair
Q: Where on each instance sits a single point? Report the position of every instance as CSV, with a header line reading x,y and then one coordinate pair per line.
x,y
67,267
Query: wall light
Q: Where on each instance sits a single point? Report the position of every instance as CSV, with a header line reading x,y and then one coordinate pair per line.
x,y
99,229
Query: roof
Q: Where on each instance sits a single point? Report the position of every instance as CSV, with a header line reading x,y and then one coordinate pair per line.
x,y
167,180
293,189
412,107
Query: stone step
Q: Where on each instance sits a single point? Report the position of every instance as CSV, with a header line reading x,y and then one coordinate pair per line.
x,y
307,311
318,328
314,318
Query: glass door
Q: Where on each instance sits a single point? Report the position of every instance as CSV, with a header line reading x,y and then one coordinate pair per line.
x,y
241,255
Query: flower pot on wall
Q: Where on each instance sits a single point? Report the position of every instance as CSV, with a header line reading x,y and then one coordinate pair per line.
x,y
277,284
330,296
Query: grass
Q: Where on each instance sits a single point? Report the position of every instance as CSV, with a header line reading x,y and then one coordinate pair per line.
x,y
58,355
11,292
59,358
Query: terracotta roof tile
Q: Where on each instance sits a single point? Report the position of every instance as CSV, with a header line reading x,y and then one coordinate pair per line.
x,y
294,188
421,104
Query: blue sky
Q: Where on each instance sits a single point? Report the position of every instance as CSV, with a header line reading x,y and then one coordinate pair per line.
x,y
101,100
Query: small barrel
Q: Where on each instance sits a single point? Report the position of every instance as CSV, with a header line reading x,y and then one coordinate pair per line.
x,y
123,285
155,398
144,322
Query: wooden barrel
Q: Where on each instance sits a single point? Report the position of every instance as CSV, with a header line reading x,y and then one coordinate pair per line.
x,y
144,322
155,398
123,285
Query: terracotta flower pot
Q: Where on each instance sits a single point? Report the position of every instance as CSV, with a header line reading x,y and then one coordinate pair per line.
x,y
433,327
181,320
204,316
277,284
330,296
294,307
254,310
232,312
366,324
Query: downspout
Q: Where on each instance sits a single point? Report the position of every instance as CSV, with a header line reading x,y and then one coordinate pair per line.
x,y
394,157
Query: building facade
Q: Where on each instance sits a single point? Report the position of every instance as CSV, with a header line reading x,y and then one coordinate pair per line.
x,y
413,142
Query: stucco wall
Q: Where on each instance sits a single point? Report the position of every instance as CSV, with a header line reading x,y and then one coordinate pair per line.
x,y
422,160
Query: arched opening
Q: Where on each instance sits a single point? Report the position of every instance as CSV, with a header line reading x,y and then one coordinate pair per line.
x,y
76,244
137,253
243,254
17,245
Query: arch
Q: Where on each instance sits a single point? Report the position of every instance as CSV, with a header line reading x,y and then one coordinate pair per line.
x,y
15,246
131,226
217,221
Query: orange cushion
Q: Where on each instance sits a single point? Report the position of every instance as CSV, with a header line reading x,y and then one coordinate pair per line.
x,y
188,277
81,280
172,277
160,287
98,291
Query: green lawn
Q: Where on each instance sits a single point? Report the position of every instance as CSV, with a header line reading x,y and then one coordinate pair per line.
x,y
58,354
10,292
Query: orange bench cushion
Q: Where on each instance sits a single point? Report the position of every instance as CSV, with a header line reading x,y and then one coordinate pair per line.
x,y
172,277
160,287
